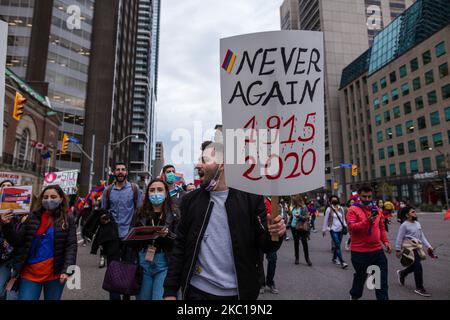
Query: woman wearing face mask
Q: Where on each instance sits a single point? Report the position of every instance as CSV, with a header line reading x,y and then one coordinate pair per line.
x,y
335,223
49,246
412,230
157,210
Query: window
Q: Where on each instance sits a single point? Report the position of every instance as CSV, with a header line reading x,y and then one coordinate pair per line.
x,y
419,103
414,166
447,114
405,89
390,151
424,143
429,78
434,118
440,49
432,98
378,120
379,136
383,82
381,154
374,87
412,146
443,70
414,63
421,123
24,145
410,126
398,130
392,171
388,133
403,71
376,104
440,161
437,140
387,116
426,57
426,162
403,169
392,77
446,92
407,107
416,83
394,94
400,149
396,112
383,171
385,99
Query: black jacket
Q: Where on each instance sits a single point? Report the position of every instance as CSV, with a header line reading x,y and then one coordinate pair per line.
x,y
247,220
105,235
65,242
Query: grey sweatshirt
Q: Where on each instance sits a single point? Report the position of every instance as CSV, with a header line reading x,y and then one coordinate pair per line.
x,y
215,272
410,230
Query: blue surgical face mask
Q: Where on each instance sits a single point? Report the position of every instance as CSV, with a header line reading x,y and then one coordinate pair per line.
x,y
170,177
156,198
51,204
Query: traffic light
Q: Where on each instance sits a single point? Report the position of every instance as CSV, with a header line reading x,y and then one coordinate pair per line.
x,y
335,185
65,144
19,105
354,170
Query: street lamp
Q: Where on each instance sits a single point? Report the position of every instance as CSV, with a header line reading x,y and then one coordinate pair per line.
x,y
445,177
107,152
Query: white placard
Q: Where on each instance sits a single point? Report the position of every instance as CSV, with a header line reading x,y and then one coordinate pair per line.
x,y
67,180
274,80
14,177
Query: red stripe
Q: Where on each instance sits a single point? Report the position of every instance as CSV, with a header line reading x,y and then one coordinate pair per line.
x,y
225,62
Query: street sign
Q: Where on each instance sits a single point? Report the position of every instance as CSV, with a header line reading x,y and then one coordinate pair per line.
x,y
345,165
272,86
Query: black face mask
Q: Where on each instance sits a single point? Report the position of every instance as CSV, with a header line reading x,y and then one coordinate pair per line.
x,y
334,203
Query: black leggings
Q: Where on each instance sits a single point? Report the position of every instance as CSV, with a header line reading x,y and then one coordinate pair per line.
x,y
303,236
415,268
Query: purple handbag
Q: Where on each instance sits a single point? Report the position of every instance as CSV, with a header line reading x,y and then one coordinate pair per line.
x,y
123,278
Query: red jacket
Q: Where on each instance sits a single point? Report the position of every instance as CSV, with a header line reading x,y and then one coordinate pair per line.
x,y
358,225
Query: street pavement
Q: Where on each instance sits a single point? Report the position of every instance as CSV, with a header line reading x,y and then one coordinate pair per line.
x,y
322,281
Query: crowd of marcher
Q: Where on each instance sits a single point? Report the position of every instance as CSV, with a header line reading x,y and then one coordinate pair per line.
x,y
206,242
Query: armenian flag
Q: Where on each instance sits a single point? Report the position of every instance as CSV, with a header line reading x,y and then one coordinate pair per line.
x,y
228,62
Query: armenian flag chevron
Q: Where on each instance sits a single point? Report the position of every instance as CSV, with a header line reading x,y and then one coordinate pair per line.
x,y
228,63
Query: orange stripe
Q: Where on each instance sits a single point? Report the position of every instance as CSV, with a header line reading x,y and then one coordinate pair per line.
x,y
230,67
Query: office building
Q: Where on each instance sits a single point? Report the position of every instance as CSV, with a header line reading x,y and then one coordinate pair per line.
x,y
395,101
289,15
142,153
159,159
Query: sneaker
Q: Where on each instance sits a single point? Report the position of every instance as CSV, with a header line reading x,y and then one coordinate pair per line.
x,y
336,262
84,243
262,290
102,262
422,292
273,289
344,265
286,239
296,261
347,246
309,262
314,230
401,280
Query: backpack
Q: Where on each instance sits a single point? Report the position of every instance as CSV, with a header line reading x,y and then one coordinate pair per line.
x,y
134,187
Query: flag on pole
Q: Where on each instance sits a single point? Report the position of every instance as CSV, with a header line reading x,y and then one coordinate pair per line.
x,y
73,140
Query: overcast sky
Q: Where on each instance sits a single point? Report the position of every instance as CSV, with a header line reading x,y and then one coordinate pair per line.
x,y
189,77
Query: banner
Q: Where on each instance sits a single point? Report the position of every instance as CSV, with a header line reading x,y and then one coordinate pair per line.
x,y
67,180
272,87
16,198
13,177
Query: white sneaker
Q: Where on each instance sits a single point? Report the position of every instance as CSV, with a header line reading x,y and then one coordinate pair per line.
x,y
336,262
344,266
347,247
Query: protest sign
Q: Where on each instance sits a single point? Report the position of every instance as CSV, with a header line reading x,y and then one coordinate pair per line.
x,y
67,180
16,198
13,177
272,87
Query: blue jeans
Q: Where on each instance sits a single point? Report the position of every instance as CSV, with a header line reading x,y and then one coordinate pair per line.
x,y
271,267
154,275
30,290
337,239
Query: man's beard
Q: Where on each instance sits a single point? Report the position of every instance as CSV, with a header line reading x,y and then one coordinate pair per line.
x,y
121,178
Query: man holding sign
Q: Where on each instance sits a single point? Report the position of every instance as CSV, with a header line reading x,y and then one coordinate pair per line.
x,y
221,231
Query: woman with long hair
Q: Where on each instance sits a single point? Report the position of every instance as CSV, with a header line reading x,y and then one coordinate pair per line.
x,y
48,243
157,210
300,214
